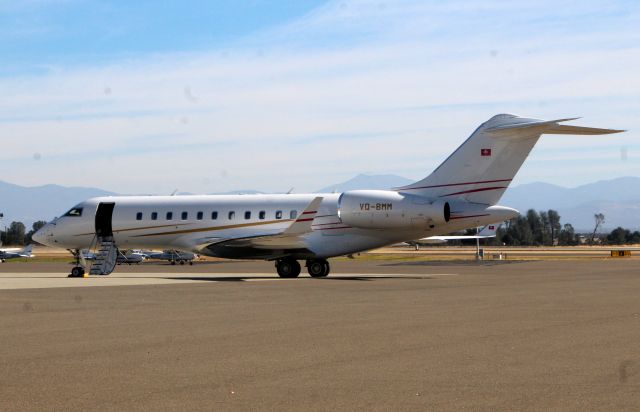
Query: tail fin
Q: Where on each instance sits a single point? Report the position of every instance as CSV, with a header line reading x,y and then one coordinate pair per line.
x,y
481,169
489,230
26,252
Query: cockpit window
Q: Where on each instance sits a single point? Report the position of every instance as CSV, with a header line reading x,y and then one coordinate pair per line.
x,y
75,212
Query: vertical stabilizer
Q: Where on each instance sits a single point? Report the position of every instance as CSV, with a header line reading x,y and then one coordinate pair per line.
x,y
481,169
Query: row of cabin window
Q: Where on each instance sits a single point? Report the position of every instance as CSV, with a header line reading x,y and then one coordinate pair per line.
x,y
214,215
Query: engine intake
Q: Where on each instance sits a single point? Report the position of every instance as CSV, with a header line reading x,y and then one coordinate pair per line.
x,y
383,209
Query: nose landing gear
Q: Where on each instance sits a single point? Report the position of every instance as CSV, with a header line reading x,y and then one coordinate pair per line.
x,y
78,270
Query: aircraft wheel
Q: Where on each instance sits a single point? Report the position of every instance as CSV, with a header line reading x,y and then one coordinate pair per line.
x,y
318,268
173,262
288,268
191,263
182,262
77,272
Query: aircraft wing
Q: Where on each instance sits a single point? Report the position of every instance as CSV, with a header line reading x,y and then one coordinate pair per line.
x,y
456,237
290,238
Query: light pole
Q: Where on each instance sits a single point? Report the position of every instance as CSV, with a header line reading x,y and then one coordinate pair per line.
x,y
478,257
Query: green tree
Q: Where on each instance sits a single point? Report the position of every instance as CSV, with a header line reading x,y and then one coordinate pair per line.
x,y
34,228
536,228
599,218
567,236
618,236
518,232
554,224
545,229
15,234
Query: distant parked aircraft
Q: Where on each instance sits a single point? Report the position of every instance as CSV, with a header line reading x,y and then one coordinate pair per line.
x,y
15,253
488,231
172,256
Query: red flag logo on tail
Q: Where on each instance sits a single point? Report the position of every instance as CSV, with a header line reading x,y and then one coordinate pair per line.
x,y
485,152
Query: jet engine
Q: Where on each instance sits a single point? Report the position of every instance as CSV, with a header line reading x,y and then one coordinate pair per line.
x,y
383,209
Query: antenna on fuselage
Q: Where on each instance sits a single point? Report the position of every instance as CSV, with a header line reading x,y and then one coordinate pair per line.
x,y
290,190
174,192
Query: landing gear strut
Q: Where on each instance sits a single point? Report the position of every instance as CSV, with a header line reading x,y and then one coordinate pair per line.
x,y
288,268
318,268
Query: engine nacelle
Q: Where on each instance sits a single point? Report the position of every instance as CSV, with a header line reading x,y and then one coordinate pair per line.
x,y
384,209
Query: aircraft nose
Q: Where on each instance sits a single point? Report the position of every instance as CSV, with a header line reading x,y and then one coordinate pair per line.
x,y
44,235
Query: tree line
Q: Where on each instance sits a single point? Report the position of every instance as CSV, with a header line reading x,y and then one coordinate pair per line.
x,y
544,228
16,233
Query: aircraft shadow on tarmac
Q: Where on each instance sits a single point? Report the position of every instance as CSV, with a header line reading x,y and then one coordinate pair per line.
x,y
330,278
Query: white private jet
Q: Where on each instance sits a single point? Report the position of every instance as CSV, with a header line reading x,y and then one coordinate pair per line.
x,y
15,253
486,232
461,193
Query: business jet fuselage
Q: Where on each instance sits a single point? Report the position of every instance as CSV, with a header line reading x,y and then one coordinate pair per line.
x,y
461,193
203,223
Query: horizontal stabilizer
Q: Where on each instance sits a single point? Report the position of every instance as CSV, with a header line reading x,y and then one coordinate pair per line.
x,y
566,129
547,127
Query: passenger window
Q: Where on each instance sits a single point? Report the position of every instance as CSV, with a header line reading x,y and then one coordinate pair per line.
x,y
139,216
214,215
262,214
232,215
75,212
200,216
184,216
278,214
169,215
247,215
154,216
293,214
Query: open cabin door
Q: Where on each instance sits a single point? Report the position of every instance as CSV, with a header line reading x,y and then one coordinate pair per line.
x,y
104,215
107,255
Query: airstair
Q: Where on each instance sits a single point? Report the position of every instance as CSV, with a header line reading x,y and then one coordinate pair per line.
x,y
106,257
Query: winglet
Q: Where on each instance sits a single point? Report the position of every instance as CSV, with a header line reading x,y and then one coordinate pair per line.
x,y
303,223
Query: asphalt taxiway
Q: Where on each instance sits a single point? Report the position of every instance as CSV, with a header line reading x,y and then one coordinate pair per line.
x,y
375,335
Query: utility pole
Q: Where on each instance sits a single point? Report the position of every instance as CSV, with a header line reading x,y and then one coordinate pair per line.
x,y
478,244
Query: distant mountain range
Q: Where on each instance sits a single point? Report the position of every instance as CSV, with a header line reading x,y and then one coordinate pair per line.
x,y
376,182
618,199
30,204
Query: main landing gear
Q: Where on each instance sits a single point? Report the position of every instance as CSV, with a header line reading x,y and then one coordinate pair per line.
x,y
290,268
318,268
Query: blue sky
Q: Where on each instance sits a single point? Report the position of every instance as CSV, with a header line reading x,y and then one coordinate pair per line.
x,y
217,96
38,33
